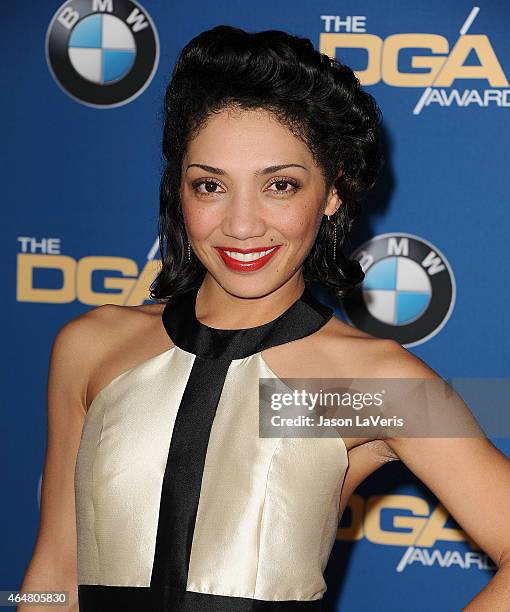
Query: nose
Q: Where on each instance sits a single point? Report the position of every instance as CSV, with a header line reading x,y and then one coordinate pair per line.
x,y
243,218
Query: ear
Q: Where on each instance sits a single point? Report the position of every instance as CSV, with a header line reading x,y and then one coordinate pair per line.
x,y
333,202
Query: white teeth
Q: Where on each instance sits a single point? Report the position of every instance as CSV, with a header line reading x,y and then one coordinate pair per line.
x,y
248,256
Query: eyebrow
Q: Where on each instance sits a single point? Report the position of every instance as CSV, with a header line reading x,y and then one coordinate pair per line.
x,y
268,170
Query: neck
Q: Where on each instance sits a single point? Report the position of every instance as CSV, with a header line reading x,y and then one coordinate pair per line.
x,y
216,307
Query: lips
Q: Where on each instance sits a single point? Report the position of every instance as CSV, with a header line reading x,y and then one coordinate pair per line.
x,y
246,266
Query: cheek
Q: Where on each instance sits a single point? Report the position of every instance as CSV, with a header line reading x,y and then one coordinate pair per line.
x,y
199,220
303,224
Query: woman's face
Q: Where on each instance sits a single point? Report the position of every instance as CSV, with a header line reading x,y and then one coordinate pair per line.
x,y
234,197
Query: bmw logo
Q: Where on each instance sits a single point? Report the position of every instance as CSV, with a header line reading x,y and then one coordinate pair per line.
x,y
408,292
102,53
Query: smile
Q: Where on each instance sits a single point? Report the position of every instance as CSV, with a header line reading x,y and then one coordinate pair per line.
x,y
247,260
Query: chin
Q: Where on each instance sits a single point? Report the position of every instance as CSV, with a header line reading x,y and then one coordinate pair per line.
x,y
253,285
249,284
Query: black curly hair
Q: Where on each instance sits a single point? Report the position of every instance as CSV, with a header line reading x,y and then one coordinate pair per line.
x,y
316,97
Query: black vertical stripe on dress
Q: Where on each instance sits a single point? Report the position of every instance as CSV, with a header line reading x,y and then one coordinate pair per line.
x,y
183,472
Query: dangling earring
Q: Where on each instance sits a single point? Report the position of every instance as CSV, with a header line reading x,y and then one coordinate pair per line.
x,y
333,223
334,239
189,251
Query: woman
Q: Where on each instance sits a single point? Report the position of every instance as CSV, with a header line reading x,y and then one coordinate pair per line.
x,y
180,504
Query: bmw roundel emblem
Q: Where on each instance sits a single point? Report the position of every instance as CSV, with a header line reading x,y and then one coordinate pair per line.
x,y
408,292
102,53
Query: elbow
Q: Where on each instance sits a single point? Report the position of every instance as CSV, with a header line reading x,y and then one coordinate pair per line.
x,y
39,577
504,559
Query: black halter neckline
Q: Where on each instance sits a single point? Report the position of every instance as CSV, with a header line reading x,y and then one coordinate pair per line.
x,y
302,318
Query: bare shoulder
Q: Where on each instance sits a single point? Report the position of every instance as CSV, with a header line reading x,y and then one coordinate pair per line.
x,y
74,349
101,343
347,352
336,350
82,335
98,326
343,351
368,355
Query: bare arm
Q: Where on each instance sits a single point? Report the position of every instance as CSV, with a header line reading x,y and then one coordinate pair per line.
x,y
471,477
53,565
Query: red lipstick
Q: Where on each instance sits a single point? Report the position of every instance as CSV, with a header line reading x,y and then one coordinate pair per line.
x,y
246,266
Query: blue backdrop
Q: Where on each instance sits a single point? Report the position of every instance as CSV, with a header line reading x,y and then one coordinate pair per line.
x,y
81,170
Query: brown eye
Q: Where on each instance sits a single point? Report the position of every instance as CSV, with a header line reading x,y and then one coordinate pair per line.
x,y
210,186
282,184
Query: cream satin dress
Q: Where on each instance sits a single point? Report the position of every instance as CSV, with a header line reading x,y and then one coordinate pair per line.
x,y
180,504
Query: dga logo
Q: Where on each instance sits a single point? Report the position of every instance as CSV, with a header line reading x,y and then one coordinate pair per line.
x,y
408,292
102,53
410,521
425,60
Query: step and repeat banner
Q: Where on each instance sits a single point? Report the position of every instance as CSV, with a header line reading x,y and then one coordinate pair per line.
x,y
82,101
